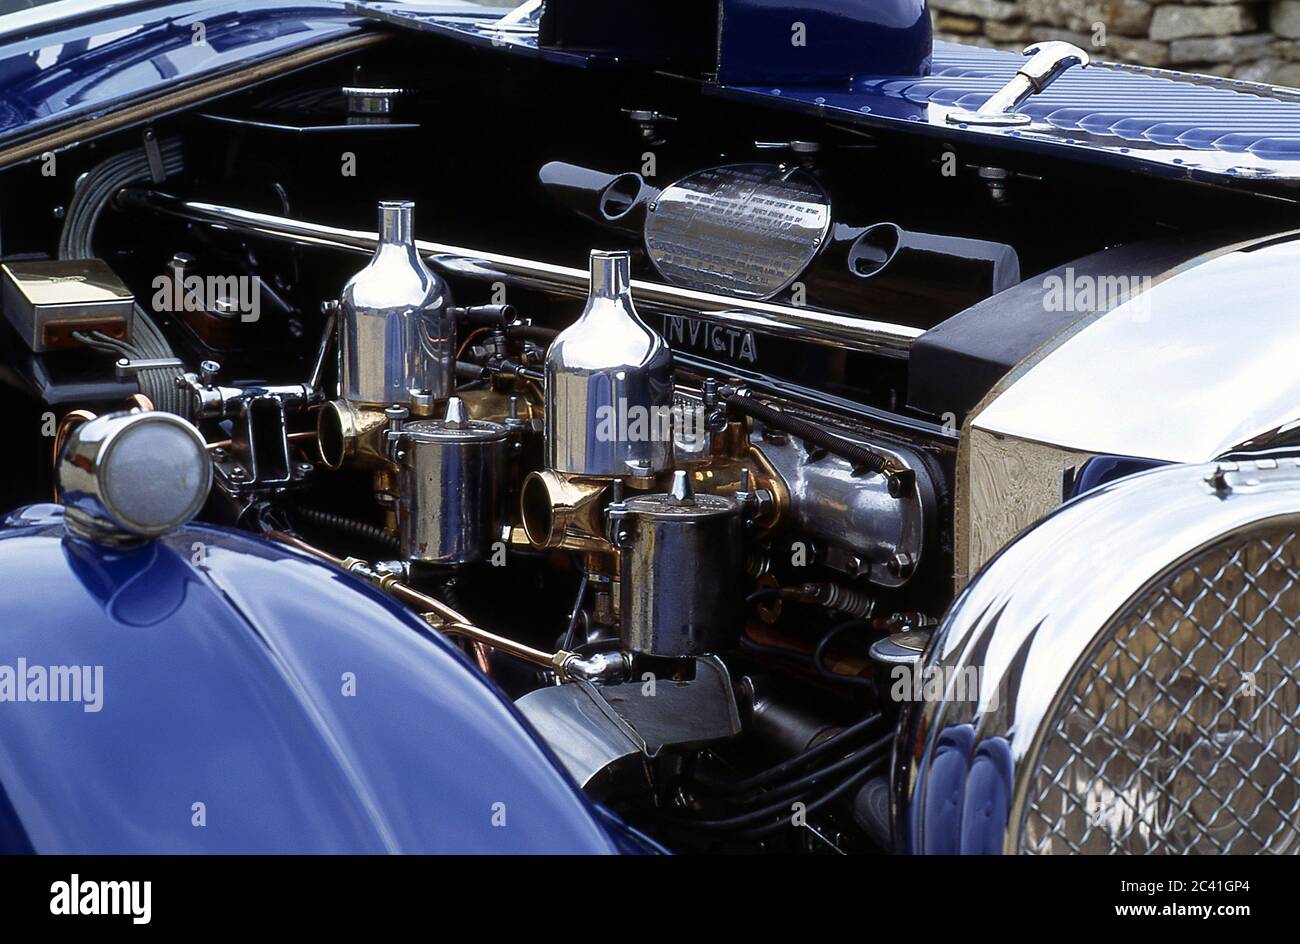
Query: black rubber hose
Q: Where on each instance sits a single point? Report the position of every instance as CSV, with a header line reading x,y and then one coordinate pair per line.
x,y
819,654
792,788
468,370
533,333
346,525
809,432
853,780
799,760
755,818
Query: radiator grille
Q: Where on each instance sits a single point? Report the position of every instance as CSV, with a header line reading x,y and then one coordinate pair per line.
x,y
1179,732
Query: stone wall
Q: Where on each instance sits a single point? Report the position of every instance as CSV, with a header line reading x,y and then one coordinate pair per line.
x,y
1255,40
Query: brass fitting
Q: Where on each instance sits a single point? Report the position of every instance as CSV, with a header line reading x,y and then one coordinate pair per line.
x,y
562,511
352,435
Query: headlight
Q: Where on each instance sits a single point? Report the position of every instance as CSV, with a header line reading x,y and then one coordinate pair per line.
x,y
1178,732
1138,667
133,475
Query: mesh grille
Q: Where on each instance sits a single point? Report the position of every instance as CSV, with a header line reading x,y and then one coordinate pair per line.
x,y
1180,732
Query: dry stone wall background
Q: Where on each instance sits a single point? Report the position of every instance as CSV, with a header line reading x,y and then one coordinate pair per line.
x,y
1256,41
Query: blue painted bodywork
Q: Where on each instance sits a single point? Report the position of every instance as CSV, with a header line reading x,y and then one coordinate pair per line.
x,y
1100,470
104,60
224,664
967,798
756,39
839,40
1155,121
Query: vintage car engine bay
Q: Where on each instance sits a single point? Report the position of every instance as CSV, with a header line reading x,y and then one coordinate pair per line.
x,y
659,403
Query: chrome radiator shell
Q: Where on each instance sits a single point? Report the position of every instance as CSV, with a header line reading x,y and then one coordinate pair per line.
x,y
967,765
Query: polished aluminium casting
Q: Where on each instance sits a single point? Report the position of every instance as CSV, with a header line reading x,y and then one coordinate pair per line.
x,y
1022,653
450,494
682,564
609,384
830,501
825,328
1048,62
396,338
128,476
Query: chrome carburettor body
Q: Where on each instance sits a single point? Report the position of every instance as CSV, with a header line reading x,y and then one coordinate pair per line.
x,y
449,501
682,559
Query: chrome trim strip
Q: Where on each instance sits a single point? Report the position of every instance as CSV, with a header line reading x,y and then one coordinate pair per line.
x,y
801,324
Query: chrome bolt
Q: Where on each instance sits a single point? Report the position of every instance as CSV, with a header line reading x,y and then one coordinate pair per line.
x,y
901,564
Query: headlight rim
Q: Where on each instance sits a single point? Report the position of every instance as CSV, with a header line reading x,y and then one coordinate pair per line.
x,y
1001,623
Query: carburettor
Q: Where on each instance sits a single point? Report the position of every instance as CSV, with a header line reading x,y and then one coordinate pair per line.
x,y
682,562
396,338
609,385
675,556
397,335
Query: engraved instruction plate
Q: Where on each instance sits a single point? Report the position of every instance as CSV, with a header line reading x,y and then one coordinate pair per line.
x,y
744,229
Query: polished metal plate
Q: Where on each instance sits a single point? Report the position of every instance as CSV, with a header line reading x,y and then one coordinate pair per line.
x,y
743,229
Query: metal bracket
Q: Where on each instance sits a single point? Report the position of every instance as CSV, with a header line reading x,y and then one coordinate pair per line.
x,y
1254,475
590,727
157,170
126,367
1048,62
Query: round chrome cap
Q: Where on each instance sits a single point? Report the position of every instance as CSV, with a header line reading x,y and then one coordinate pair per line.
x,y
133,475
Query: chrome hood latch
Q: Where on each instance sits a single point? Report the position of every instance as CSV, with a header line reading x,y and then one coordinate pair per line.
x,y
1048,62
